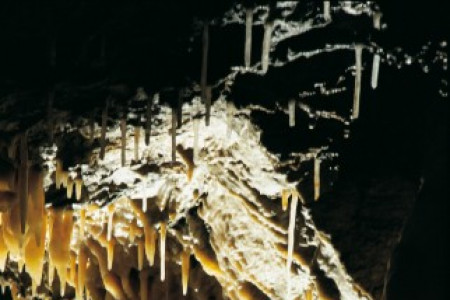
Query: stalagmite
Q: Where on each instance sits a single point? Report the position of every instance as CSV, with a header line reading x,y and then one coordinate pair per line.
x,y
23,182
70,184
110,221
140,251
317,162
326,11
375,70
82,222
291,229
78,187
248,36
195,125
357,92
208,96
291,113
123,130
148,121
204,71
174,134
266,46
284,199
162,251
103,132
137,134
185,266
143,284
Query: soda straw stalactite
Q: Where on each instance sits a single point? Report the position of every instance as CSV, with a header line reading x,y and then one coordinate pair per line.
x,y
248,36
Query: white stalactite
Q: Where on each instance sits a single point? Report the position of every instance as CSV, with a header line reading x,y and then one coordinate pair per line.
x,y
377,20
103,132
195,125
248,36
144,204
110,222
326,11
208,96
375,70
162,252
291,113
204,71
174,135
291,230
123,129
148,121
357,92
317,162
137,135
266,46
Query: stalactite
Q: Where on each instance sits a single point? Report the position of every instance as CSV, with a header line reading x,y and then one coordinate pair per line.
x,y
64,178
148,121
266,46
82,267
185,266
91,127
248,36
180,108
143,284
137,135
150,243
326,11
291,229
123,129
357,92
377,20
110,221
162,251
23,182
58,173
144,204
70,185
285,199
375,70
82,222
317,162
103,132
50,130
208,96
3,250
204,72
174,134
78,187
195,127
291,113
59,246
140,252
110,253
